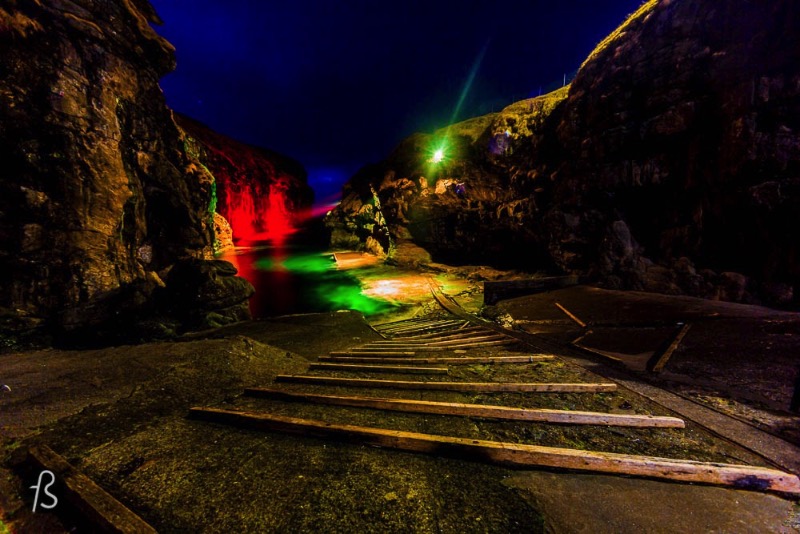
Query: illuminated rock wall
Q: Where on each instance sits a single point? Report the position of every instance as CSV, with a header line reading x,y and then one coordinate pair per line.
x,y
262,194
99,199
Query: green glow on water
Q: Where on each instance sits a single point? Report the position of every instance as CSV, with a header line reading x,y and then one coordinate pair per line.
x,y
329,288
301,263
308,263
350,297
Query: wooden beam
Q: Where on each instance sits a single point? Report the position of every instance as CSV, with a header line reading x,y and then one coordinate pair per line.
x,y
518,455
414,320
462,344
90,501
467,360
440,335
478,332
570,315
658,362
433,348
427,326
401,328
596,352
476,410
381,353
390,324
451,386
489,336
451,324
378,368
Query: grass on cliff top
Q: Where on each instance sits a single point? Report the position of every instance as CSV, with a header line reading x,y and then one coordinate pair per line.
x,y
644,10
543,104
522,118
472,128
537,108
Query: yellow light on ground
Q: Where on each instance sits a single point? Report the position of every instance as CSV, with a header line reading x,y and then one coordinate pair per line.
x,y
387,288
402,288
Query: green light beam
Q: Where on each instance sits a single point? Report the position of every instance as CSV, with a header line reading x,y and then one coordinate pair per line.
x,y
468,85
438,154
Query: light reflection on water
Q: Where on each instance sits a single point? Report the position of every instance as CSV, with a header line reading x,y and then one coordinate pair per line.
x,y
300,280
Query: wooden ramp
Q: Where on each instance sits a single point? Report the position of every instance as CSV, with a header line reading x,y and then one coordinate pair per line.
x,y
412,346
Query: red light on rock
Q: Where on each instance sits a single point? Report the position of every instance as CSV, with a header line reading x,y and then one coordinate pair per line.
x,y
256,215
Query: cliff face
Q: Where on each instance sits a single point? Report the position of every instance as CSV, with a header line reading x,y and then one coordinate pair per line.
x,y
261,194
689,125
462,208
672,164
99,199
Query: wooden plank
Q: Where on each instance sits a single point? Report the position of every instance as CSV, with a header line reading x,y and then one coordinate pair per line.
x,y
426,330
413,326
411,350
661,360
467,360
439,335
382,353
93,503
412,320
427,326
479,332
476,410
444,321
395,323
451,386
581,337
519,455
378,368
570,315
490,336
596,352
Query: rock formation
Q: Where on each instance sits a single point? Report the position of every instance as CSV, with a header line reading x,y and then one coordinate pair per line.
x,y
671,163
261,194
100,200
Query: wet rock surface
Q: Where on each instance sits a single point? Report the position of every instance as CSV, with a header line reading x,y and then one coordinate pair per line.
x,y
100,198
207,293
670,164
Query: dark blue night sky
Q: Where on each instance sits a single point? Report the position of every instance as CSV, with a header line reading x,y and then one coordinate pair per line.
x,y
337,84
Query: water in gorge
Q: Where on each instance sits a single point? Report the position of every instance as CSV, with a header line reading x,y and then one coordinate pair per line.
x,y
301,279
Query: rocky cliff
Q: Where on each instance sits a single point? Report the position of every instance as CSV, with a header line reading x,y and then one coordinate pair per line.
x,y
101,207
671,163
261,194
